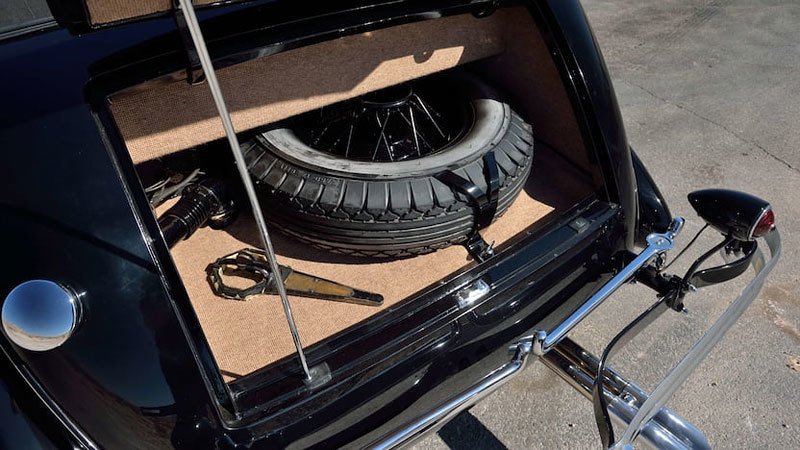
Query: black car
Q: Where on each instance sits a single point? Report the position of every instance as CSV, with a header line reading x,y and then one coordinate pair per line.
x,y
272,224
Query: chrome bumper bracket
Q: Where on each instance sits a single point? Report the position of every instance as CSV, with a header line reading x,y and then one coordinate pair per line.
x,y
657,244
644,416
443,413
675,378
578,367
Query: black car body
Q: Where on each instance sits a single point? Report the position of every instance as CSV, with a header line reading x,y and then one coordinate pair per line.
x,y
139,372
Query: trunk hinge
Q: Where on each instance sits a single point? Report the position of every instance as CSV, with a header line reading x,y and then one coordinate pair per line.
x,y
194,70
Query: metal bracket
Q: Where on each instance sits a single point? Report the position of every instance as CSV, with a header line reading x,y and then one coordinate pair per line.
x,y
483,202
657,243
194,69
478,247
487,10
675,378
578,368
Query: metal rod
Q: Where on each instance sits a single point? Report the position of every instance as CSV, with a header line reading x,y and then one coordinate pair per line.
x,y
414,129
350,134
430,116
444,412
416,135
656,243
216,92
382,136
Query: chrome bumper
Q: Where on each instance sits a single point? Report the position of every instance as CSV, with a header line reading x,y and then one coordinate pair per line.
x,y
675,378
443,413
666,430
643,416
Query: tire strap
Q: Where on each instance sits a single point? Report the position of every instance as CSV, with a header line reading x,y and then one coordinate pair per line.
x,y
483,202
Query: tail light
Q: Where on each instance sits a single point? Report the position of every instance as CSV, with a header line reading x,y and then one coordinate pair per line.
x,y
737,214
765,224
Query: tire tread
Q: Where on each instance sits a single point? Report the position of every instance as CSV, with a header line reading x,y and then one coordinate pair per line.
x,y
416,209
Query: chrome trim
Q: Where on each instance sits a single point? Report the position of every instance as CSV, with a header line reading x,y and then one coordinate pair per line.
x,y
440,415
657,243
675,378
473,292
233,141
764,211
667,430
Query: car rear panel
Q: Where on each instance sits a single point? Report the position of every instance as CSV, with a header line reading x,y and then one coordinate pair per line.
x,y
533,285
137,369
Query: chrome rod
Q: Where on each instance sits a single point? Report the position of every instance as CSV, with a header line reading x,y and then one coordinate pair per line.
x,y
700,350
657,243
205,61
446,411
578,368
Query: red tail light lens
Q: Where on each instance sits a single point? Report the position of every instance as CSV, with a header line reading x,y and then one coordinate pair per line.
x,y
765,224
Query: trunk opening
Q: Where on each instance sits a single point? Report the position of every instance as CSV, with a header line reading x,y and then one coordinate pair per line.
x,y
169,126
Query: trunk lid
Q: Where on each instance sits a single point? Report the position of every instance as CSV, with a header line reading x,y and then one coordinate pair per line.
x,y
84,16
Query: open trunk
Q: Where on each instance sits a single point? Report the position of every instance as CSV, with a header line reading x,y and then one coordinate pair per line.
x,y
167,121
246,336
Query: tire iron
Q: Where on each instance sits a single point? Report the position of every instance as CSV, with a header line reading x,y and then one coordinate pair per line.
x,y
251,268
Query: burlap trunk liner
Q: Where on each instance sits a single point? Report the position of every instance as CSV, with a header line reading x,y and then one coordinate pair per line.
x,y
167,116
248,335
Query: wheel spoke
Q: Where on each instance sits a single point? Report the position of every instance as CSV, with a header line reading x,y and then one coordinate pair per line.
x,y
430,116
429,120
381,136
414,130
350,134
419,136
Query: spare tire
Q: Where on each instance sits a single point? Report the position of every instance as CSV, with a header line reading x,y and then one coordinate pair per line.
x,y
387,200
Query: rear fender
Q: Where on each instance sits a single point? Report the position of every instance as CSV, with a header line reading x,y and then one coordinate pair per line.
x,y
653,215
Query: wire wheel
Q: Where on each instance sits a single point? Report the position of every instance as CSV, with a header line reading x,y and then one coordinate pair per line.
x,y
399,123
363,177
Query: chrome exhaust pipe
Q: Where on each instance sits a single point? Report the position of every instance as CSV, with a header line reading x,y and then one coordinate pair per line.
x,y
666,430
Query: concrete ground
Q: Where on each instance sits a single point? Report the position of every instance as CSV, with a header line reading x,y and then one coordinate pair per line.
x,y
710,92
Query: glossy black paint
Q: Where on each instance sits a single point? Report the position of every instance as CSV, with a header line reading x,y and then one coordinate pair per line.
x,y
728,271
17,429
583,66
73,211
730,212
459,345
654,215
25,422
66,216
